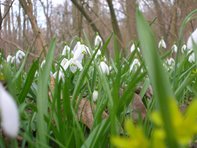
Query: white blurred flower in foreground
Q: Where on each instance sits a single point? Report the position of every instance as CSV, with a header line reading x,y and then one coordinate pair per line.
x,y
191,58
9,59
9,113
104,67
162,44
98,41
66,50
191,39
135,65
13,60
132,49
19,56
174,48
95,95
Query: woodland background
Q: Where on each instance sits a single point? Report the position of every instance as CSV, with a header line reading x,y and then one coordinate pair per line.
x,y
26,24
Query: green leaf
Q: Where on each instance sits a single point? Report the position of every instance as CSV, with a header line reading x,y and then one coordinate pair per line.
x,y
158,76
28,81
42,96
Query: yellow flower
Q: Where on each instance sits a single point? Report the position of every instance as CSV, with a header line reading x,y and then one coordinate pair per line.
x,y
185,126
136,138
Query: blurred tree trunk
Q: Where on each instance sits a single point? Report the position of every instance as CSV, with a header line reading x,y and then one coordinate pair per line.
x,y
115,25
77,18
87,17
130,11
160,18
1,19
28,9
46,10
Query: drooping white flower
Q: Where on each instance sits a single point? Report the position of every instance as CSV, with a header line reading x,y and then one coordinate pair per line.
x,y
191,58
9,113
174,48
79,51
104,67
192,38
98,41
183,48
95,95
13,60
162,44
66,50
98,53
9,59
63,62
132,49
60,75
135,65
19,56
170,61
73,64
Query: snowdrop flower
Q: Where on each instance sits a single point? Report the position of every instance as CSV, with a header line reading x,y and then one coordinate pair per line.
x,y
162,44
9,113
73,64
170,62
191,39
63,62
104,67
183,48
60,75
79,51
98,53
174,48
132,48
19,56
66,50
135,65
98,41
95,95
13,60
191,58
9,59
42,64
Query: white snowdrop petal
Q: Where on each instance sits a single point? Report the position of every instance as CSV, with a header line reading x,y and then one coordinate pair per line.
x,y
132,48
162,44
42,64
192,38
135,64
9,58
66,50
104,67
95,95
98,41
174,48
191,58
9,113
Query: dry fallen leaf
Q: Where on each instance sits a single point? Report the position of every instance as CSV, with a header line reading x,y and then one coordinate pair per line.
x,y
85,112
138,108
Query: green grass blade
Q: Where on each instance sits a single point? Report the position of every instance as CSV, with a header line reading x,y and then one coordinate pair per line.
x,y
158,76
28,82
42,96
